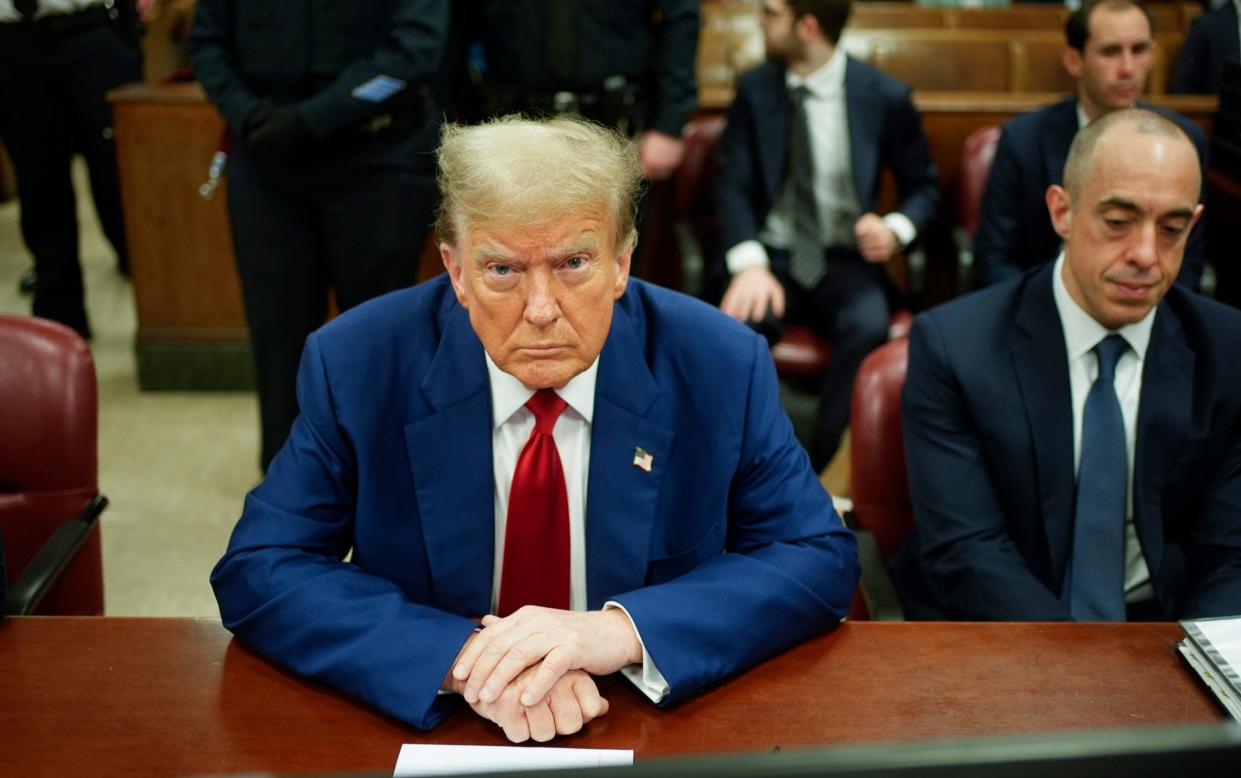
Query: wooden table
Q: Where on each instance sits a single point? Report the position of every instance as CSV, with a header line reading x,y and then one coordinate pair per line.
x,y
83,696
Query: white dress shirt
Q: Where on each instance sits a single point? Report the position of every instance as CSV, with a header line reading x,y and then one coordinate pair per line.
x,y
834,192
1081,334
47,8
512,424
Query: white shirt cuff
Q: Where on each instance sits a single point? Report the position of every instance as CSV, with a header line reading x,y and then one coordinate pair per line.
x,y
902,227
746,254
645,676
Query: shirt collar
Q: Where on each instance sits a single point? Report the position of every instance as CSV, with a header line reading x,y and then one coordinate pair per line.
x,y
825,81
508,394
1082,118
1082,333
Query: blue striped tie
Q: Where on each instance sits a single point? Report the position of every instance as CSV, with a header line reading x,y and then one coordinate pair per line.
x,y
1097,591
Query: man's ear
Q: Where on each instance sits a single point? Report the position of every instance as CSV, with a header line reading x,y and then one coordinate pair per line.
x,y
1060,208
624,261
455,266
1197,216
807,27
1071,58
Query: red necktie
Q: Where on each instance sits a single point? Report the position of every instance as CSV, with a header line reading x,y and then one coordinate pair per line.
x,y
536,535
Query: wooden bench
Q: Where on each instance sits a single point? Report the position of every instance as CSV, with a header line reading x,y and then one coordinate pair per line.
x,y
1171,17
961,58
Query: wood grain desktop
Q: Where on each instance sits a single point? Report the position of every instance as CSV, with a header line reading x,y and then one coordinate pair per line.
x,y
164,697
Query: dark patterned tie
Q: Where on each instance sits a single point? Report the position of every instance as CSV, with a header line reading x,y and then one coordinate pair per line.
x,y
536,533
806,254
1098,572
26,9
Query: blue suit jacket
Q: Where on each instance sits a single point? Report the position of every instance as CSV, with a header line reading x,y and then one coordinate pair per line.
x,y
1212,38
988,435
885,130
725,553
1014,228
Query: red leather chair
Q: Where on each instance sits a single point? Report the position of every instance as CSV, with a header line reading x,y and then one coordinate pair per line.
x,y
799,354
976,157
49,494
882,512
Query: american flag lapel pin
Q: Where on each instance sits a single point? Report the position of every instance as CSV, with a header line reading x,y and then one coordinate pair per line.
x,y
642,459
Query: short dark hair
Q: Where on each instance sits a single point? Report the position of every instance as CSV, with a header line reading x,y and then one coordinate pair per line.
x,y
1077,26
830,14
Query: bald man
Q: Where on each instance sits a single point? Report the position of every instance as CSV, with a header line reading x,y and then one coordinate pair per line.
x,y
1073,436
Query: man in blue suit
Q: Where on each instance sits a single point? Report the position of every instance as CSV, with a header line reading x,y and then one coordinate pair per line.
x,y
1213,38
1073,436
807,138
1110,51
602,463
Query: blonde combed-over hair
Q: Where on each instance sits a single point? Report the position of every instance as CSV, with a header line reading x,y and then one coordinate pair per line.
x,y
515,171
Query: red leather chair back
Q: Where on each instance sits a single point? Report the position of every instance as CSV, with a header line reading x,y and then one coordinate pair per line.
x,y
878,485
976,158
48,453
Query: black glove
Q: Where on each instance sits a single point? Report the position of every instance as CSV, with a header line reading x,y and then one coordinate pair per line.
x,y
275,132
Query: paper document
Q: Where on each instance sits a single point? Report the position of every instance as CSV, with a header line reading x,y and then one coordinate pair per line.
x,y
455,760
1213,649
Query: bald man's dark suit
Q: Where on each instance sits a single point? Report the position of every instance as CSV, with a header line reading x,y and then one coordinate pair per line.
x,y
988,429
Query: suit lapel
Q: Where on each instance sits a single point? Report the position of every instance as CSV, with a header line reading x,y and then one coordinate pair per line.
x,y
1164,416
1037,346
864,131
450,456
772,130
1057,140
622,497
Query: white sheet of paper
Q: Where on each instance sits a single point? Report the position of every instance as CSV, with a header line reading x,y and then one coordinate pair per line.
x,y
1225,635
417,760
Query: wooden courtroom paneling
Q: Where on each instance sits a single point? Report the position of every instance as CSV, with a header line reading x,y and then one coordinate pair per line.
x,y
191,324
165,141
983,63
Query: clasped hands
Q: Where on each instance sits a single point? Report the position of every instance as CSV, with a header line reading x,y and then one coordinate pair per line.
x,y
530,672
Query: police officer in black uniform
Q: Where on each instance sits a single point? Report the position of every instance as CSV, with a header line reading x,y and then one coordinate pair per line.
x,y
331,177
58,59
626,64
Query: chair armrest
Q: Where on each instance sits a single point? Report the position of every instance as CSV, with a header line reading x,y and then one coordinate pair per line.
x,y
43,571
878,591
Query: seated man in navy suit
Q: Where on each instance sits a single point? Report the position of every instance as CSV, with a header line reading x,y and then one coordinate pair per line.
x,y
1213,38
799,167
1110,50
598,468
1073,436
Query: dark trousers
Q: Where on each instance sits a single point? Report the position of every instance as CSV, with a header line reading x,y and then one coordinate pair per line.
x,y
52,106
352,216
848,309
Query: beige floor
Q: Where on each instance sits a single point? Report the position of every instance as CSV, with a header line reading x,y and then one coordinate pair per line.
x,y
174,465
